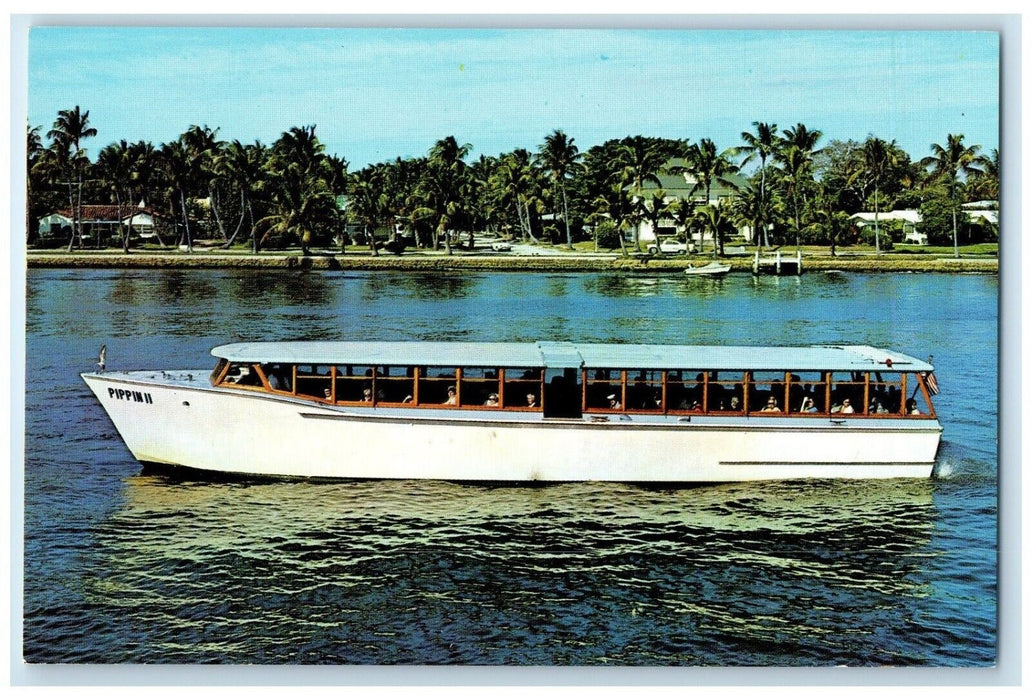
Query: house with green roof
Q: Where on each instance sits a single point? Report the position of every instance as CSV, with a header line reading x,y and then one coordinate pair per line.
x,y
683,187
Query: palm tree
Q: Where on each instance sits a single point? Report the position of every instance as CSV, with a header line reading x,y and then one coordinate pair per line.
x,y
338,181
204,147
638,160
34,160
70,128
797,172
949,162
683,212
763,144
614,205
653,208
513,181
243,167
367,203
115,165
750,207
303,206
707,166
877,157
178,171
828,219
987,184
716,218
441,187
144,165
798,149
558,155
802,138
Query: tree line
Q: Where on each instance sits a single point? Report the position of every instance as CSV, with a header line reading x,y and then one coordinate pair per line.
x,y
785,185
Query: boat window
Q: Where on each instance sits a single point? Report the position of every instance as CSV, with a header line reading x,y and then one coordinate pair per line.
x,y
354,383
519,386
725,392
884,393
242,374
315,381
279,376
766,392
216,373
686,390
438,385
644,390
604,389
807,393
916,403
480,386
847,392
395,384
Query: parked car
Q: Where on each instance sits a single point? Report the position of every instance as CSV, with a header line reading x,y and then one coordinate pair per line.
x,y
671,246
916,238
501,246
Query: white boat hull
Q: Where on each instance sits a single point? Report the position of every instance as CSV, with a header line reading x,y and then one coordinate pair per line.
x,y
188,424
711,270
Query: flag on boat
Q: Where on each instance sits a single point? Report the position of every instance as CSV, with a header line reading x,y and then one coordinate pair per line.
x,y
933,386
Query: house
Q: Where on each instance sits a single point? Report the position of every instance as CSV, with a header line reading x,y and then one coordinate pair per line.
x,y
910,218
684,187
100,220
986,210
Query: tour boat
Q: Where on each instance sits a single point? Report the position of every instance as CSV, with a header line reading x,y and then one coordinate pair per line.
x,y
533,412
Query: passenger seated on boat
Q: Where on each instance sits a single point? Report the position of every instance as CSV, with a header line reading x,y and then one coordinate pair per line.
x,y
452,399
614,403
912,409
808,406
367,395
771,407
531,401
875,406
492,400
846,407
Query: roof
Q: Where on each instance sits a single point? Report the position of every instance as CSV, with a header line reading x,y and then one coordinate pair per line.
x,y
560,355
911,215
105,213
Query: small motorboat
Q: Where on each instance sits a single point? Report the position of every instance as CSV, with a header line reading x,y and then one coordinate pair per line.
x,y
713,269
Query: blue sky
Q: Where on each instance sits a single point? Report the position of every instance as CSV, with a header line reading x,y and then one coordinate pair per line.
x,y
375,94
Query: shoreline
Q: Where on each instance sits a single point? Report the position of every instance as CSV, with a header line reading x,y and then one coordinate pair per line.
x,y
561,262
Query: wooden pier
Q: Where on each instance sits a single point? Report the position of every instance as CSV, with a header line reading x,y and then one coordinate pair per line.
x,y
778,264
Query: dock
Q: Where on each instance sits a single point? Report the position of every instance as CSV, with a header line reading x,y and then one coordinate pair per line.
x,y
778,264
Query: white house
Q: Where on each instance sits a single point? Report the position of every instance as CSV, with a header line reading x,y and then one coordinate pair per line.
x,y
682,187
987,210
910,218
102,219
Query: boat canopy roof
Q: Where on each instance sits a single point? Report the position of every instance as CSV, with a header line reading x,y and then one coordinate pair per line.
x,y
564,355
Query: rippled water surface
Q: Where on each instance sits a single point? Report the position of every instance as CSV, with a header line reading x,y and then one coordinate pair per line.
x,y
121,566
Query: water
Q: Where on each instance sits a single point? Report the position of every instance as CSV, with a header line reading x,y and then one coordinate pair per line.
x,y
122,567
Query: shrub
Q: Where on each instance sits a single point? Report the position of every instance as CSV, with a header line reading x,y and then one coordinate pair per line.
x,y
607,234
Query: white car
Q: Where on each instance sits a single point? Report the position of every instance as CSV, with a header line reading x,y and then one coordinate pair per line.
x,y
501,246
671,246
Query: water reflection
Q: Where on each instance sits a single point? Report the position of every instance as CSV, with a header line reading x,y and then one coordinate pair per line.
x,y
438,285
588,568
